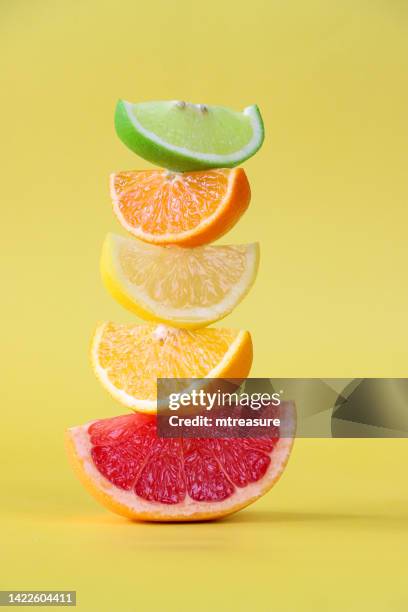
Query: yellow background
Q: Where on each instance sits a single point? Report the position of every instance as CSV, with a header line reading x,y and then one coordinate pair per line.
x,y
330,211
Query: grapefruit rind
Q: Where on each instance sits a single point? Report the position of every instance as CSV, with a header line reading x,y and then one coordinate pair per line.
x,y
138,302
235,202
129,505
236,363
156,150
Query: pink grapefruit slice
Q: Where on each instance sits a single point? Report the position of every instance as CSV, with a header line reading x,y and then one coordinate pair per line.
x,y
130,470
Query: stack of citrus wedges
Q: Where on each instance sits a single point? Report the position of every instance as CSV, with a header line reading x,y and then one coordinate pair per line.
x,y
169,273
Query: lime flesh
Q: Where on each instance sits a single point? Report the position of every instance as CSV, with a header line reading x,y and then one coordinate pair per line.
x,y
182,136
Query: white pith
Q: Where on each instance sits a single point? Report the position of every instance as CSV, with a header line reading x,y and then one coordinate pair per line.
x,y
161,238
146,405
197,314
213,158
151,510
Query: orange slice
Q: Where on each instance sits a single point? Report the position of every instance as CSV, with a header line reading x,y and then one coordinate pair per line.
x,y
188,209
128,359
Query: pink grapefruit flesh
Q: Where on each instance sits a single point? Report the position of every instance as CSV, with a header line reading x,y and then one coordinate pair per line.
x,y
133,472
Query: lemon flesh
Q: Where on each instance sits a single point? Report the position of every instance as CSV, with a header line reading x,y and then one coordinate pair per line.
x,y
179,286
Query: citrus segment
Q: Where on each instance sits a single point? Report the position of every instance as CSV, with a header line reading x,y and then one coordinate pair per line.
x,y
188,209
128,359
183,136
187,288
133,472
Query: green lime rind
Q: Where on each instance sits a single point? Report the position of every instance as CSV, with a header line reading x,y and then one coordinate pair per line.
x,y
240,135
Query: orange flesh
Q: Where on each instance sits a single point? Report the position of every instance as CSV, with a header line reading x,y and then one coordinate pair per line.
x,y
176,208
135,356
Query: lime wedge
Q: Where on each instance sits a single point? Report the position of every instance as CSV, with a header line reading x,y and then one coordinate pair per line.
x,y
181,136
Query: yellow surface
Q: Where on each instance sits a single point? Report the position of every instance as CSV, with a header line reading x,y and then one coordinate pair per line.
x,y
330,210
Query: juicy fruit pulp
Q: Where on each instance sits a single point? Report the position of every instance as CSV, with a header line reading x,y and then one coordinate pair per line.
x,y
189,209
144,476
122,461
128,453
183,136
128,359
187,288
